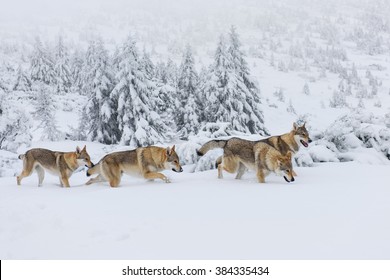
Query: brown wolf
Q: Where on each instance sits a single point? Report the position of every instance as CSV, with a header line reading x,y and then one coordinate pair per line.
x,y
146,161
268,159
62,164
288,142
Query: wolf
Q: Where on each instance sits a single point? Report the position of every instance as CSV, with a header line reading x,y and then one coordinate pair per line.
x,y
62,164
288,142
268,159
144,161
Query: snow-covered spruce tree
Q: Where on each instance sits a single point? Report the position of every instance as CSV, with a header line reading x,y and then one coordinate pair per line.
x,y
41,65
22,82
76,71
168,73
306,89
338,100
15,126
100,110
187,111
45,113
148,65
62,67
233,96
138,122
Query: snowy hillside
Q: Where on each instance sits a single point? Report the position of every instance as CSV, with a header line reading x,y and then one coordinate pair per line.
x,y
119,74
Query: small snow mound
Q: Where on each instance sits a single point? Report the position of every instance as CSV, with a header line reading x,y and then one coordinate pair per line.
x,y
322,154
207,161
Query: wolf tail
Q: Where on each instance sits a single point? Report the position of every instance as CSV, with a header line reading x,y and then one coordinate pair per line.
x,y
22,156
213,144
93,170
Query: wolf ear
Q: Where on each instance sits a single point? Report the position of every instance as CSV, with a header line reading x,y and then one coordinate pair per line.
x,y
78,149
304,124
169,151
295,126
85,148
173,148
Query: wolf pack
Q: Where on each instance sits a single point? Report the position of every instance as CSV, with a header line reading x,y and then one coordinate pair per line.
x,y
272,154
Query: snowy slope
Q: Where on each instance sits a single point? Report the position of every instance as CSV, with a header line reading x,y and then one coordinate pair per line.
x,y
331,211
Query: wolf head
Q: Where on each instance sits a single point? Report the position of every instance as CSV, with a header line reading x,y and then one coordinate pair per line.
x,y
285,167
173,161
301,135
83,157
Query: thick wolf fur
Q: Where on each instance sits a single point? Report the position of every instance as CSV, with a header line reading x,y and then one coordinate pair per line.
x,y
146,162
269,159
244,149
62,164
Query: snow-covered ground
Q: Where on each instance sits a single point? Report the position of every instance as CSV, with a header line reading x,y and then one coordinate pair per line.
x,y
331,211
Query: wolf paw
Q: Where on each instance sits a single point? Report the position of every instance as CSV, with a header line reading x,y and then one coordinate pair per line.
x,y
166,180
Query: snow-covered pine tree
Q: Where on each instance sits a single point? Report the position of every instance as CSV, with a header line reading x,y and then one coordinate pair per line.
x,y
249,90
22,82
279,94
138,122
148,65
187,111
15,125
306,89
232,96
45,113
62,68
338,100
76,71
171,73
354,77
41,65
100,110
290,108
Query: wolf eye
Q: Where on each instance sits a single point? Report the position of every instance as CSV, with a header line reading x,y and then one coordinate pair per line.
x,y
287,171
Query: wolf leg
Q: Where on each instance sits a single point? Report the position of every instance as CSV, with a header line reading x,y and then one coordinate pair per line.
x,y
218,162
97,179
154,175
28,168
64,178
41,174
111,173
241,170
260,175
220,169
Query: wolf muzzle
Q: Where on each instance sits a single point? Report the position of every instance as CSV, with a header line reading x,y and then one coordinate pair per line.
x,y
181,169
292,179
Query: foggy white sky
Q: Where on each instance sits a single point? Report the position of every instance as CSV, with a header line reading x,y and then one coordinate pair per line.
x,y
154,19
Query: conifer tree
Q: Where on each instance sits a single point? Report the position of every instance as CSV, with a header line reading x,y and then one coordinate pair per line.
x,y
187,111
76,71
22,83
306,89
100,111
233,95
62,68
42,66
45,112
139,124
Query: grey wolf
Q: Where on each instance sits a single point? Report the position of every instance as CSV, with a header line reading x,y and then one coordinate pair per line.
x,y
144,161
62,164
236,148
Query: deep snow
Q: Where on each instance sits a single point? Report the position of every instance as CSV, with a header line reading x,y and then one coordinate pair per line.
x,y
331,211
